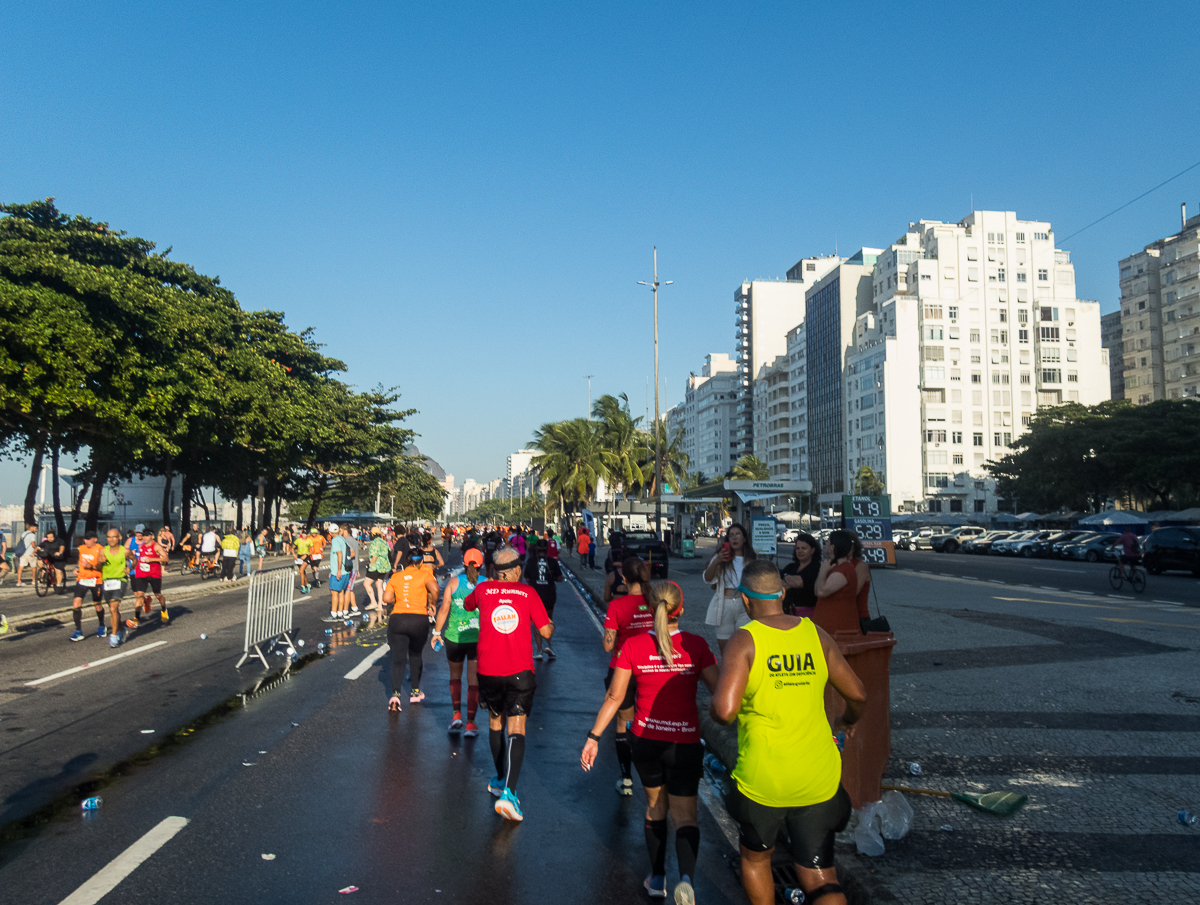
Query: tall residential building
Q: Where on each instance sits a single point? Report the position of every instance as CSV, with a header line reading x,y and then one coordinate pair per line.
x,y
766,310
708,416
831,305
772,418
971,327
1160,316
1111,339
516,477
797,358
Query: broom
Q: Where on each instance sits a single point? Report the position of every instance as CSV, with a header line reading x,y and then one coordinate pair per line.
x,y
1001,804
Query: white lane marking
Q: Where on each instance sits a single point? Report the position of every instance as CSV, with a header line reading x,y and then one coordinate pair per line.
x,y
120,867
1088,593
1046,587
367,661
75,669
1118,597
587,609
1053,569
728,828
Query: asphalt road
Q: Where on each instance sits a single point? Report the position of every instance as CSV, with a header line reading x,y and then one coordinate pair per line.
x,y
338,790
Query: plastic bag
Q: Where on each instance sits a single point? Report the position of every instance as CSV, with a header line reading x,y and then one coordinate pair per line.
x,y
896,816
866,834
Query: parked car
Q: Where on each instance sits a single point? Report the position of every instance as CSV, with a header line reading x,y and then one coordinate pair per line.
x,y
1046,546
1057,545
922,539
1172,548
982,543
1000,547
1092,549
1029,546
788,535
950,542
645,545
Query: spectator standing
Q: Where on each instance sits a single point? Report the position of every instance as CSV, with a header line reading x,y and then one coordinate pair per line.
x,y
230,544
27,552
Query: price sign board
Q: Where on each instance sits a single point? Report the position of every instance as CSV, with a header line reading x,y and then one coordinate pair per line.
x,y
870,517
762,536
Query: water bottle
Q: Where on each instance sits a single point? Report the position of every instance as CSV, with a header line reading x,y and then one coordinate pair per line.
x,y
437,643
1187,818
710,761
914,768
91,804
320,648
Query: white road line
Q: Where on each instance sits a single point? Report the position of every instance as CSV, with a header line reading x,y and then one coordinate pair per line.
x,y
1088,593
367,661
1046,587
587,609
75,669
120,867
1118,597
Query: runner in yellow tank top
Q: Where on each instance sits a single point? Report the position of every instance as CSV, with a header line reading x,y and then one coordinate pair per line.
x,y
788,772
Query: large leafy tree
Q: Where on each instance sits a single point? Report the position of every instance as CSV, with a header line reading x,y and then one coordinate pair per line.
x,y
572,458
624,442
673,461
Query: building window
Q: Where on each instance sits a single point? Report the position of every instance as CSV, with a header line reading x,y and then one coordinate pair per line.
x,y
1022,336
1049,334
935,436
957,437
958,458
1020,276
808,265
1020,241
1043,275
1022,316
1000,275
935,505
977,439
976,377
933,311
979,503
1044,237
1024,377
996,439
1051,375
935,353
956,505
953,311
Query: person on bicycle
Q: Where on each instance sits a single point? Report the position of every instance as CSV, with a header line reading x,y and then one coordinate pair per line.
x,y
54,553
189,543
1131,553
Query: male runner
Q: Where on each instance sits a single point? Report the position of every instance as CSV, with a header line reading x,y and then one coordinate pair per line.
x,y
339,575
544,574
87,580
460,632
316,553
27,552
147,577
773,678
506,683
115,560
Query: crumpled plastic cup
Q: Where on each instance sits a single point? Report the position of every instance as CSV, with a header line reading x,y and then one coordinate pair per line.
x,y
867,837
895,815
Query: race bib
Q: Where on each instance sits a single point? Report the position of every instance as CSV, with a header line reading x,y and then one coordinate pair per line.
x,y
112,584
316,556
505,619
87,582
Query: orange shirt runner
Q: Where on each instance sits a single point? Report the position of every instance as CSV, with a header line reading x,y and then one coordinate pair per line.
x,y
409,586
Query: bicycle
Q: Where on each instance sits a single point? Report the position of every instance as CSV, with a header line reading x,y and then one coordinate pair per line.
x,y
45,577
1137,577
208,568
188,562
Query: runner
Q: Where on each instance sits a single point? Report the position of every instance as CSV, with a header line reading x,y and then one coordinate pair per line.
x,y
378,570
668,665
115,560
412,592
506,681
303,546
551,544
491,543
27,553
352,543
517,541
462,641
627,616
147,577
339,575
544,574
772,681
316,553
447,537
429,553
87,580
614,584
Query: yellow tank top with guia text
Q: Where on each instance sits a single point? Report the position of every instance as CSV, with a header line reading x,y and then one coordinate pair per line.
x,y
787,757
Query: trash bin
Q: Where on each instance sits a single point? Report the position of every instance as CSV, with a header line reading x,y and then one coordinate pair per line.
x,y
867,751
688,548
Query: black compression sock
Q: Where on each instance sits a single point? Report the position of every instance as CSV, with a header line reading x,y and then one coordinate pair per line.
x,y
625,754
77,615
516,754
496,741
687,843
656,844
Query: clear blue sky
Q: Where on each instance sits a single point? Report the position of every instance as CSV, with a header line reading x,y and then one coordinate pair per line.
x,y
460,197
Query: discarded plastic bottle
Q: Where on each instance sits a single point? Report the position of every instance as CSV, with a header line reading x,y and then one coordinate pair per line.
x,y
320,648
914,768
91,804
710,761
437,644
1187,818
328,631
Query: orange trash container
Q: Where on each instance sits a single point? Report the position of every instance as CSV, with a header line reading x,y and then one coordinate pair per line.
x,y
867,751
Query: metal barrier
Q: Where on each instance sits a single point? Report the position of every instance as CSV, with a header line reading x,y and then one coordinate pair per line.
x,y
268,611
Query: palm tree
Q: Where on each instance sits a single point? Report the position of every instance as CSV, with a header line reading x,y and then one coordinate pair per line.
x,y
748,468
674,461
622,439
572,458
867,483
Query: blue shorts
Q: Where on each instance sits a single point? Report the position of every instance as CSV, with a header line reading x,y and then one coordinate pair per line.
x,y
339,584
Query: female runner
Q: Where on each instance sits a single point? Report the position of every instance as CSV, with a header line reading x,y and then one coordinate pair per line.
x,y
626,616
668,665
461,638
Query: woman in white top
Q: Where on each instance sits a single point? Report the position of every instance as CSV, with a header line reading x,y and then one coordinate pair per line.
x,y
724,574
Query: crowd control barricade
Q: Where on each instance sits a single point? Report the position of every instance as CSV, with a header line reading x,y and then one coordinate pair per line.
x,y
268,611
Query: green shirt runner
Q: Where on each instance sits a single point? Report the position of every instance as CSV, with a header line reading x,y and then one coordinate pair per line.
x,y
463,627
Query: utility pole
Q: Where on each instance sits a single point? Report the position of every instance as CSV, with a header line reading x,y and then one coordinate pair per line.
x,y
589,380
657,440
378,492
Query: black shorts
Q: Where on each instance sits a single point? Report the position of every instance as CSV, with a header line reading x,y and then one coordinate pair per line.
x,y
630,692
457,651
676,765
377,576
115,594
81,592
508,695
142,585
811,828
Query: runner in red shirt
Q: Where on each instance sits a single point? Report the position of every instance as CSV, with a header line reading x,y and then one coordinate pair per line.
x,y
506,683
668,665
626,616
147,577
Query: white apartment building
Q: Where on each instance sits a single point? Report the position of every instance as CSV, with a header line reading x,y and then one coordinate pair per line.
x,y
1160,316
797,362
773,418
516,470
971,328
708,416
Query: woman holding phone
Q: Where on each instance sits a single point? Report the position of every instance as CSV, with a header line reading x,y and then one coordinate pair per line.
x,y
724,574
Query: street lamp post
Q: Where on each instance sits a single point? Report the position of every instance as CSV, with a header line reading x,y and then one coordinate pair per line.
x,y
589,409
657,440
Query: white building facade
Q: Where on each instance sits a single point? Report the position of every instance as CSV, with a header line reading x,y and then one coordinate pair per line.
x,y
708,416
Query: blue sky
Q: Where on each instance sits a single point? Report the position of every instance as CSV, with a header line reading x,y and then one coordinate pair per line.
x,y
461,197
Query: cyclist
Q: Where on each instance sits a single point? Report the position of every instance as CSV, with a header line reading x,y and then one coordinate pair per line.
x,y
189,543
627,616
668,664
115,560
1131,553
461,635
412,594
773,679
87,580
210,545
147,579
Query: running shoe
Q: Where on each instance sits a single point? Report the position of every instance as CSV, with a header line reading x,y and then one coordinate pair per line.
x,y
416,696
355,610
77,635
394,704
625,787
684,893
549,652
114,640
101,632
509,807
496,786
131,623
538,655
456,722
330,618
163,615
656,886
470,730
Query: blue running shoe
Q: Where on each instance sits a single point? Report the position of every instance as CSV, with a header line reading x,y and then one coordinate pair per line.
x,y
656,886
496,786
509,808
77,635
102,632
114,640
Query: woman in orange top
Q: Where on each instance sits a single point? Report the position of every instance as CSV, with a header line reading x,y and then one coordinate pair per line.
x,y
836,586
412,594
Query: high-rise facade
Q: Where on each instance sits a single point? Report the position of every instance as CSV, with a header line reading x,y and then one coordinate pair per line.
x,y
1111,338
772,418
1160,316
797,362
708,416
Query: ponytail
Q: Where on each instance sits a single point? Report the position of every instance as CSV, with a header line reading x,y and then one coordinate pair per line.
x,y
667,600
634,569
472,571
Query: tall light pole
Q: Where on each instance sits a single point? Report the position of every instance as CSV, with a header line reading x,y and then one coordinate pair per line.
x,y
657,440
589,380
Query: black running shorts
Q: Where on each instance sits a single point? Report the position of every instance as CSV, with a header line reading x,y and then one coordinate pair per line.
x,y
811,828
81,592
676,765
508,695
630,692
457,651
147,584
377,576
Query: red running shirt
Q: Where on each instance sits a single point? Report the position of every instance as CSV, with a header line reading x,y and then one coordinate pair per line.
x,y
666,697
506,610
629,615
145,567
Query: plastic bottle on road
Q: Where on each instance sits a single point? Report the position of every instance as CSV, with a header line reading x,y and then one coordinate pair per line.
x,y
320,648
1187,818
91,804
